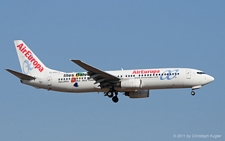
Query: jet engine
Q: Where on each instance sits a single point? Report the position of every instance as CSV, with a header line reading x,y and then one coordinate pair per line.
x,y
131,83
138,94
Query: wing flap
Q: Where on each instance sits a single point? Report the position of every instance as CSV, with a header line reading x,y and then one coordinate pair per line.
x,y
20,75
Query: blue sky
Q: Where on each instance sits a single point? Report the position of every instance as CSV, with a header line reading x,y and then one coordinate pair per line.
x,y
111,35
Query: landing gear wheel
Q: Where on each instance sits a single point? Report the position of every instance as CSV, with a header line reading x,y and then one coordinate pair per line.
x,y
193,93
110,94
115,99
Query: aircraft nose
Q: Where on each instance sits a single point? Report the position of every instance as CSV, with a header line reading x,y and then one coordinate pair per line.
x,y
210,78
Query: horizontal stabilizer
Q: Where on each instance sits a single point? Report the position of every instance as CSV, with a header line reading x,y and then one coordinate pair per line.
x,y
20,75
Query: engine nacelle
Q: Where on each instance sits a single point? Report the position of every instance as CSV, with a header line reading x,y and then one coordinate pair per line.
x,y
138,94
131,83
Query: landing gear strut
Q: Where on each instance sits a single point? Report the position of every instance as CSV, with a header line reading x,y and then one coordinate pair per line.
x,y
192,92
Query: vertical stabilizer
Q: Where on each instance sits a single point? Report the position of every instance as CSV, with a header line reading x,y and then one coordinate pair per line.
x,y
29,62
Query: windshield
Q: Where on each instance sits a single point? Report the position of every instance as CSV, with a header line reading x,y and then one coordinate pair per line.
x,y
200,73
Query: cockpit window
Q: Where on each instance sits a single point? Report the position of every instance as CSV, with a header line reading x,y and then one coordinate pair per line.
x,y
200,73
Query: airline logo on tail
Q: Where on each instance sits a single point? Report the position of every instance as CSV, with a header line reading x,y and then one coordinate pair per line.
x,y
28,54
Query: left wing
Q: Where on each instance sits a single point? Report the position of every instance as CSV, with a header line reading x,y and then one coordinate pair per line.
x,y
98,75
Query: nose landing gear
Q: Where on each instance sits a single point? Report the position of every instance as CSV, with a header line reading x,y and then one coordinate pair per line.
x,y
192,93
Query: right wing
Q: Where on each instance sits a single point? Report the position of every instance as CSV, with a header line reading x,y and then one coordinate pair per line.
x,y
98,75
20,75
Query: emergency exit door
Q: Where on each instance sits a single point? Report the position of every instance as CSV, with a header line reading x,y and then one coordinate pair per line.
x,y
49,81
188,74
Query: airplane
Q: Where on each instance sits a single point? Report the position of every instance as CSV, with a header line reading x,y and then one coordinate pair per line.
x,y
135,83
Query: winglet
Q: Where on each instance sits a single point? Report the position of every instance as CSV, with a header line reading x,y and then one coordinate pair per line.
x,y
21,75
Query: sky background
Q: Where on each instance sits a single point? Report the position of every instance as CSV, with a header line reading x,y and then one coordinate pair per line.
x,y
111,35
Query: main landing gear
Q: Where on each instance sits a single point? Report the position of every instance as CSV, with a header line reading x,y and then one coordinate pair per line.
x,y
115,99
111,93
192,92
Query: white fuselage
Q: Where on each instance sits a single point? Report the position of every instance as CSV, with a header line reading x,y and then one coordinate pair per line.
x,y
165,78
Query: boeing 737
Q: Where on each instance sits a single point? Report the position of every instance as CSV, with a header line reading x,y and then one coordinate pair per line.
x,y
135,83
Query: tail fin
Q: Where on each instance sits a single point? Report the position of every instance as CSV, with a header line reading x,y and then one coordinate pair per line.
x,y
29,62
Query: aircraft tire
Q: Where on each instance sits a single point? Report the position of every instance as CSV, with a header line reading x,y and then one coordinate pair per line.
x,y
115,99
193,93
110,94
